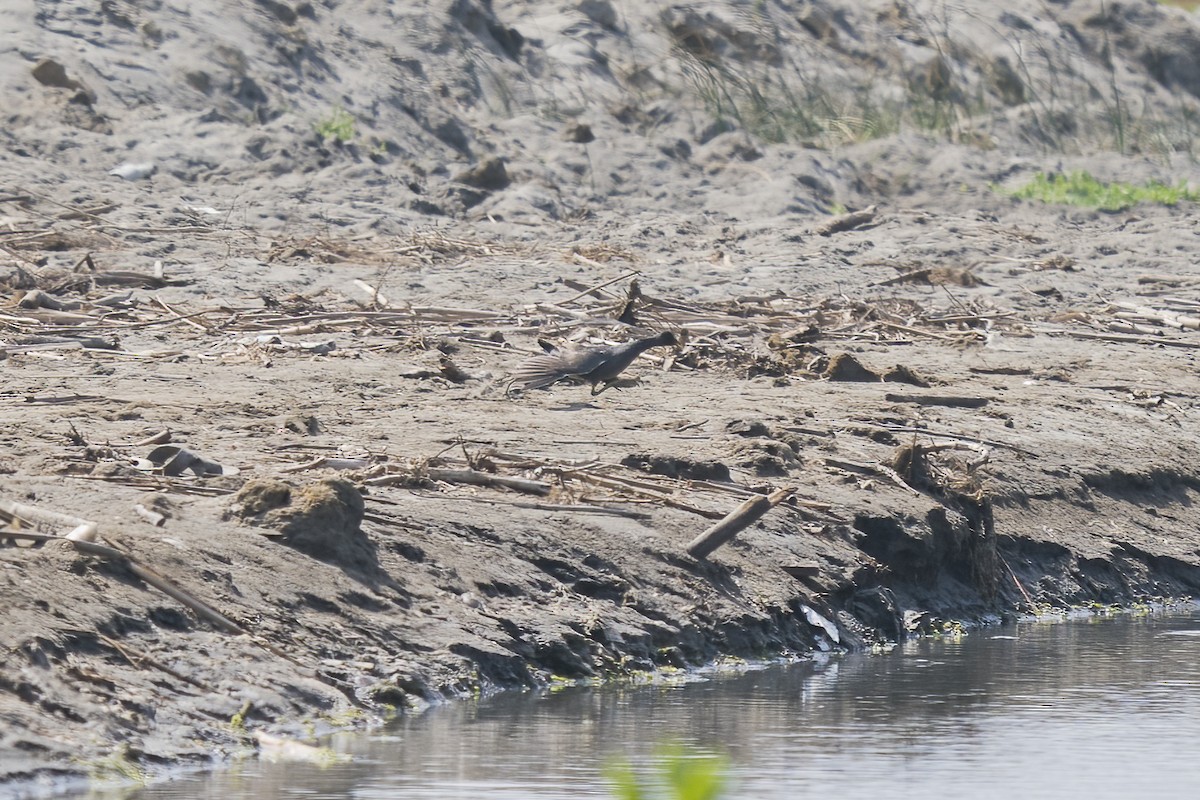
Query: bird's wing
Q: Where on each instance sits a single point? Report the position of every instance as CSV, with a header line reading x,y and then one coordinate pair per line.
x,y
585,362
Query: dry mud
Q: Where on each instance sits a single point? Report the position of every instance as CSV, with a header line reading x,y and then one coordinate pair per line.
x,y
985,406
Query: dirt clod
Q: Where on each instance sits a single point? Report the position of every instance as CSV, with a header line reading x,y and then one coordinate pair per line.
x,y
845,367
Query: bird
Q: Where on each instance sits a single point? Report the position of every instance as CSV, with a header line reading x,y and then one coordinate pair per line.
x,y
599,366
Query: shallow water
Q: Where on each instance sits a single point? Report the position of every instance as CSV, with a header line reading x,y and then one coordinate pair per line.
x,y
1094,708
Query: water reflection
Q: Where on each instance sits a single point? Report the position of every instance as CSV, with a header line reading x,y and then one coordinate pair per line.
x,y
1091,709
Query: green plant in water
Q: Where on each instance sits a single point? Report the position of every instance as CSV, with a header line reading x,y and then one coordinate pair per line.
x,y
679,774
118,766
1082,189
338,125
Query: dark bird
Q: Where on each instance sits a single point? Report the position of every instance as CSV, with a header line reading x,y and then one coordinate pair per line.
x,y
599,366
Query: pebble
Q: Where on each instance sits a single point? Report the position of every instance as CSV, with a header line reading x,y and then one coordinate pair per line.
x,y
134,172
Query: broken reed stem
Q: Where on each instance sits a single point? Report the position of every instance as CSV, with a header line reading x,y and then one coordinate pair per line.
x,y
163,584
1017,581
137,658
40,515
624,486
735,521
153,517
599,286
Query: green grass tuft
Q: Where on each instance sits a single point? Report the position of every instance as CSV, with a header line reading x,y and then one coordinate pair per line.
x,y
1082,189
338,125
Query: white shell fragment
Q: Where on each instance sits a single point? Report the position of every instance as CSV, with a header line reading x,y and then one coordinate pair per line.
x,y
134,172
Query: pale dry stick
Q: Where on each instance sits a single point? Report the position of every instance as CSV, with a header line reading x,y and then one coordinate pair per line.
x,y
50,343
599,286
416,315
989,317
947,435
130,354
71,209
478,478
41,516
576,508
530,462
329,463
742,491
1170,283
725,488
467,476
48,316
151,577
689,318
451,314
185,229
654,486
36,298
1135,311
376,298
160,484
656,495
564,327
735,521
20,256
1130,339
163,584
179,316
128,326
315,463
305,446
313,327
137,658
162,437
1132,327
580,316
1182,301
876,470
113,300
113,277
153,517
919,331
1020,588
485,344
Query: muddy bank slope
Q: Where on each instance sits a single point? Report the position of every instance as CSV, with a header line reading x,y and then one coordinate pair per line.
x,y
340,228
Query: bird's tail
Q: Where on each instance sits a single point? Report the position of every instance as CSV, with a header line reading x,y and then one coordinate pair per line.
x,y
537,373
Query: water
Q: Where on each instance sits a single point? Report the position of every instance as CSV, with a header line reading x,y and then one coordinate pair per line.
x,y
1099,708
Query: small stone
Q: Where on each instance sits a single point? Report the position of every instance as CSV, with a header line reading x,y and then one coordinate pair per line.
x,y
49,72
580,133
600,12
488,174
